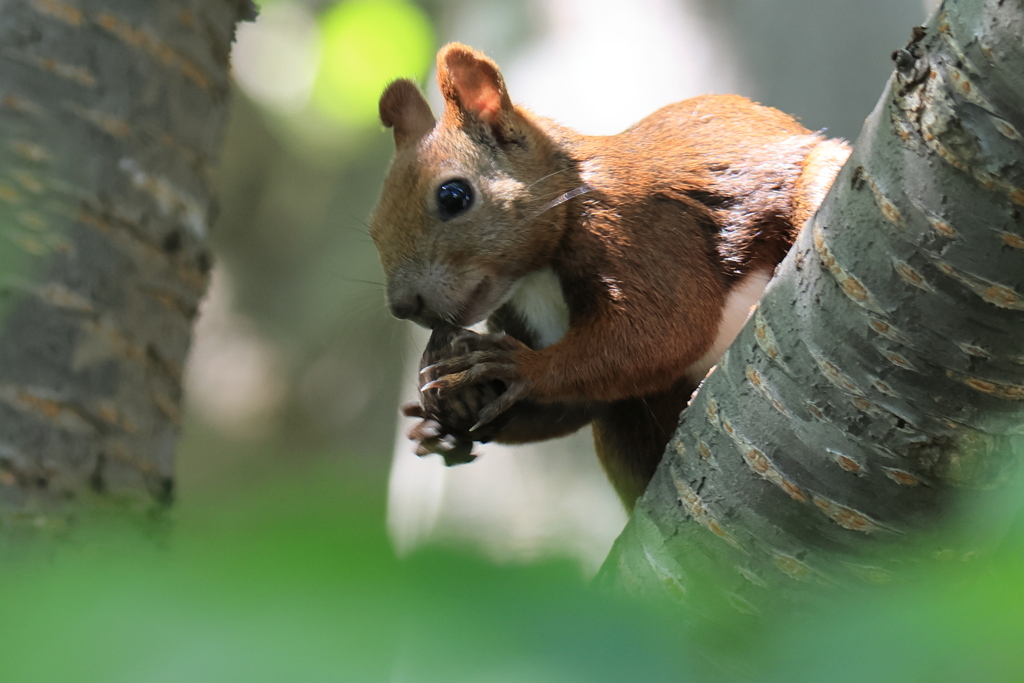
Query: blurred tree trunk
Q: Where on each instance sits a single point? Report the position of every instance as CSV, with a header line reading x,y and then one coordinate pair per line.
x,y
111,117
881,380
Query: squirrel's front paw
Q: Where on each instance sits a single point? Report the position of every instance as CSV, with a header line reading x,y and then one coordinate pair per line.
x,y
431,437
493,361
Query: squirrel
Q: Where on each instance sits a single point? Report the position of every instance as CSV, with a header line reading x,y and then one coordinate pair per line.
x,y
613,271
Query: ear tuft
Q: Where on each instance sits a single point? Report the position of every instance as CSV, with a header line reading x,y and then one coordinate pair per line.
x,y
403,108
473,83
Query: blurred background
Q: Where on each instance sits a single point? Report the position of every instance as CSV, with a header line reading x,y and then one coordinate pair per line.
x,y
296,362
276,565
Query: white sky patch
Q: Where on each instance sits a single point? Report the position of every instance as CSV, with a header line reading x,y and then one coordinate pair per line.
x,y
606,64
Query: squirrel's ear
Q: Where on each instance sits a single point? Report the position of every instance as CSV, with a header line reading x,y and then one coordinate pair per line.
x,y
472,83
403,108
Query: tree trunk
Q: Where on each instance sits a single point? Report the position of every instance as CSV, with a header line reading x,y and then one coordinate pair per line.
x,y
111,117
881,379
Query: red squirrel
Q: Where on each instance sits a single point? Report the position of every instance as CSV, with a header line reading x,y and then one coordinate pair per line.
x,y
613,271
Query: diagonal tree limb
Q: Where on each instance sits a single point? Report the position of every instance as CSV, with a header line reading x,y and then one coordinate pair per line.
x,y
880,383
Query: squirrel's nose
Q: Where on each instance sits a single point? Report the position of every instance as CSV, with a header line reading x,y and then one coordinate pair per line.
x,y
407,306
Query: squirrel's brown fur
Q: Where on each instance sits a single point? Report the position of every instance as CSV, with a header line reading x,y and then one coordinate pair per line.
x,y
647,233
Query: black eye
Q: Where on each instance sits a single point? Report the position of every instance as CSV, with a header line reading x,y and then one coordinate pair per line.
x,y
453,198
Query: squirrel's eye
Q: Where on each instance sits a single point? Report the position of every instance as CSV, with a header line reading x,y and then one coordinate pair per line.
x,y
454,197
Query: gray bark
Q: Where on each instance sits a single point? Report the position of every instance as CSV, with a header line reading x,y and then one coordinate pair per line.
x,y
880,384
111,117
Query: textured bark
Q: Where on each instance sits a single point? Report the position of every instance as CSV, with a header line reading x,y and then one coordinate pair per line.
x,y
111,117
881,380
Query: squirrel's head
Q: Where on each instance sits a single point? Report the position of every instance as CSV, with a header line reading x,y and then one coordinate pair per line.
x,y
457,225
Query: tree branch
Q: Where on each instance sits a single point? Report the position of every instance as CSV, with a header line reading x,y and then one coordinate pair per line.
x,y
881,380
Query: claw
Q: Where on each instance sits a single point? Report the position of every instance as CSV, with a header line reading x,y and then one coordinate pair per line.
x,y
428,368
434,384
455,381
474,359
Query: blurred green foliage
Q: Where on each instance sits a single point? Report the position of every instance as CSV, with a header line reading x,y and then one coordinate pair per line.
x,y
295,197
365,45
293,580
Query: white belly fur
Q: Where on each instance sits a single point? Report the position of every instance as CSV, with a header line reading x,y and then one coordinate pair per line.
x,y
539,301
738,307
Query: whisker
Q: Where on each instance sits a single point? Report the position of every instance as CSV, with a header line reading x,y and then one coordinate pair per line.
x,y
359,236
563,170
364,282
361,233
571,194
335,276
546,195
359,220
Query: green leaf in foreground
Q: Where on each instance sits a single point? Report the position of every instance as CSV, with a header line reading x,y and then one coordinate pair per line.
x,y
300,585
297,583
